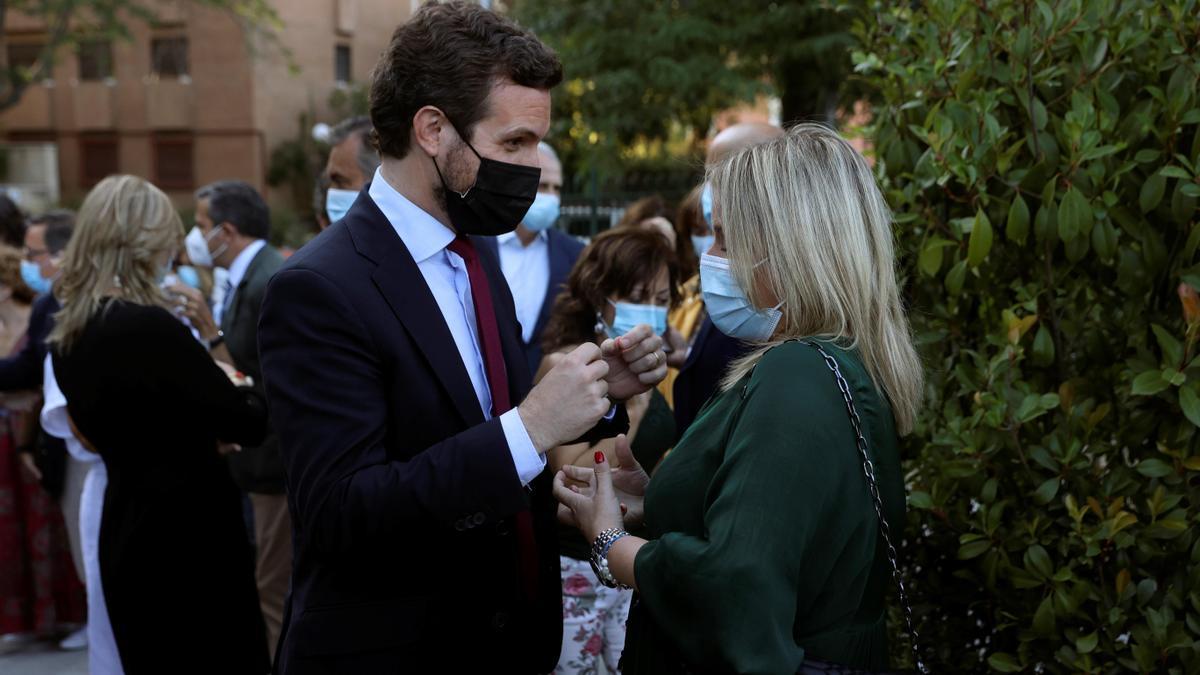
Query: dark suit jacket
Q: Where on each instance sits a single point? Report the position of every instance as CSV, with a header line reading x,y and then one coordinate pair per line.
x,y
712,352
23,371
258,469
402,497
563,250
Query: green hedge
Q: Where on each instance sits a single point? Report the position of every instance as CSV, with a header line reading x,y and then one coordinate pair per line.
x,y
1042,160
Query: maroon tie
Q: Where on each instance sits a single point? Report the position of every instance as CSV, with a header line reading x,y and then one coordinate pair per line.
x,y
493,363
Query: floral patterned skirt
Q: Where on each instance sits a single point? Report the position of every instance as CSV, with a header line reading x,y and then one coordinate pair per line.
x,y
594,619
40,591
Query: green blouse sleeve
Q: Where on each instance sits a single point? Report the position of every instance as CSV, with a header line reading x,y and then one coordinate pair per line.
x,y
775,527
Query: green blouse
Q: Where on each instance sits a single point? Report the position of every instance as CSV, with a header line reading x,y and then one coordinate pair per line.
x,y
765,545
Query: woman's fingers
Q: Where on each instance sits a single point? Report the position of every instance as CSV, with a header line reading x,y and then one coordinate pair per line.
x,y
565,495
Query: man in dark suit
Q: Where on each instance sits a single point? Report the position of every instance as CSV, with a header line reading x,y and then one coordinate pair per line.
x,y
46,238
235,222
712,351
536,258
424,524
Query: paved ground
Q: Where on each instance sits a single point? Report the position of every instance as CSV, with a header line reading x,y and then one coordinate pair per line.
x,y
44,660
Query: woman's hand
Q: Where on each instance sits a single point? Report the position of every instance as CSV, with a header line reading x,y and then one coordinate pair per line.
x,y
193,306
626,485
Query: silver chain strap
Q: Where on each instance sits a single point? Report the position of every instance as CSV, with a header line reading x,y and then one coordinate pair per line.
x,y
869,472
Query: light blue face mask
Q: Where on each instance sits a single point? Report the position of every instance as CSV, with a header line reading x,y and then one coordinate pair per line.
x,y
543,213
338,202
706,203
704,243
631,314
188,275
31,274
728,307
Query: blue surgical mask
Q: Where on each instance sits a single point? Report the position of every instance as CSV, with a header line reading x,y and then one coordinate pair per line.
x,y
703,243
706,203
631,314
188,275
728,306
543,213
31,273
338,202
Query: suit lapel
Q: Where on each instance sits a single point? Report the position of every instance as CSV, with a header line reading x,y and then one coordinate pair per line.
x,y
404,288
706,327
560,269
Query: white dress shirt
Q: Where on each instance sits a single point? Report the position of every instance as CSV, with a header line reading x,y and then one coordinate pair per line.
x,y
237,271
446,275
527,269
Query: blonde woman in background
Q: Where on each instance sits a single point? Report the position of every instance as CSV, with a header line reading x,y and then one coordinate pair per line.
x,y
175,564
764,551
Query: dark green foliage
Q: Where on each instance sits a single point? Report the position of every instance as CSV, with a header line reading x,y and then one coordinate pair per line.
x,y
1042,159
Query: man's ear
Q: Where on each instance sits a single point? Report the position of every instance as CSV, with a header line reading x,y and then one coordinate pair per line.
x,y
429,124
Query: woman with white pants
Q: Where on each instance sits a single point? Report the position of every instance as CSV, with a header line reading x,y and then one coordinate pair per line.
x,y
103,658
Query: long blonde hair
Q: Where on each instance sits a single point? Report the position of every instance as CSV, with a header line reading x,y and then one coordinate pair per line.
x,y
124,232
803,219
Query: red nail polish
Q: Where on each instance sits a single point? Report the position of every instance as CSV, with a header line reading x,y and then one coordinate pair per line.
x,y
599,457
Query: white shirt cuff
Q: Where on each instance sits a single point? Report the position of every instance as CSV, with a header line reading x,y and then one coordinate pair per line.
x,y
527,460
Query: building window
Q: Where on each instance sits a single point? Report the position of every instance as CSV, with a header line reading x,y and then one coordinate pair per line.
x,y
173,165
95,61
341,63
169,56
23,56
98,157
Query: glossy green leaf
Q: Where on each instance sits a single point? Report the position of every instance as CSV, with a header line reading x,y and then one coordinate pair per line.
x,y
1149,383
1190,402
1152,192
1154,468
1074,215
1017,226
1005,663
981,239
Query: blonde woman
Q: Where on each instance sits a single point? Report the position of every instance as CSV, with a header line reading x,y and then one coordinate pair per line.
x,y
175,564
764,552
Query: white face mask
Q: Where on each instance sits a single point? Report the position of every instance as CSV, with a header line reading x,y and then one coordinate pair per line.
x,y
196,245
728,306
197,248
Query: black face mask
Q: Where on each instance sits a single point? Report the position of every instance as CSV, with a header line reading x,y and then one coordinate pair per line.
x,y
498,200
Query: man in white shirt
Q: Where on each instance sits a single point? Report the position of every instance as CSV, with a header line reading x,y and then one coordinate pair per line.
x,y
537,258
235,222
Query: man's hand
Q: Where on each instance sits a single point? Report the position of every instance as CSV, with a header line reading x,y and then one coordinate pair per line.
x,y
636,362
568,401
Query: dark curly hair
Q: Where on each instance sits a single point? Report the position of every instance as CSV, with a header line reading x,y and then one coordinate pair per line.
x,y
10,275
449,56
612,265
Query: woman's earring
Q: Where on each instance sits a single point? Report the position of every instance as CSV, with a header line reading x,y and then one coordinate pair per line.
x,y
600,327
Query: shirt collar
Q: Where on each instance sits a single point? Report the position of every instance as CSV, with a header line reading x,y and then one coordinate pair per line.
x,y
422,234
241,263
